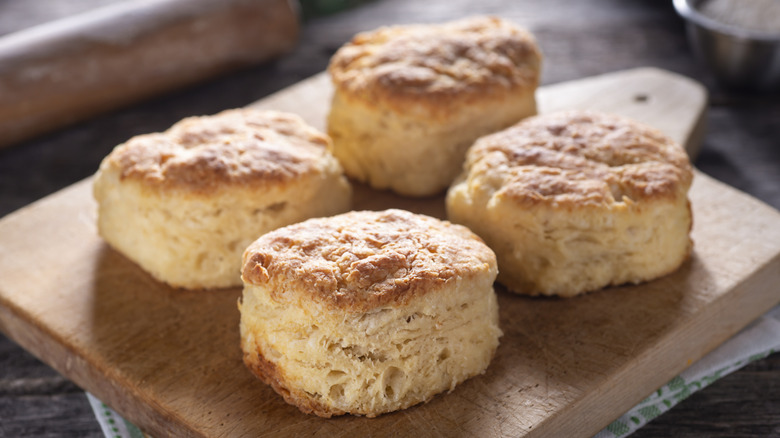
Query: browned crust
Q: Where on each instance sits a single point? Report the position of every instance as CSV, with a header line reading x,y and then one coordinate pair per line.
x,y
241,147
267,371
437,66
577,159
360,261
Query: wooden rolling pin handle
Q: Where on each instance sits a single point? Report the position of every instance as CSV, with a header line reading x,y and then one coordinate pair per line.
x,y
68,70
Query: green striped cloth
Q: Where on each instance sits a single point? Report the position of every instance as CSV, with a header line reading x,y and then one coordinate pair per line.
x,y
112,424
757,341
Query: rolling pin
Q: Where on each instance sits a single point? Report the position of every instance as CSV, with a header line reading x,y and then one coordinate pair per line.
x,y
74,68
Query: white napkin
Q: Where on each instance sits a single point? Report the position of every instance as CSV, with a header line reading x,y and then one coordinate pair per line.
x,y
113,425
756,341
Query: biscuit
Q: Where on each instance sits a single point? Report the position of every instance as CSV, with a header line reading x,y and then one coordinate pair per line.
x,y
368,312
409,100
575,201
184,204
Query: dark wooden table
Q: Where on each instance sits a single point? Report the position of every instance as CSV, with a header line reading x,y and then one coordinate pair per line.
x,y
579,38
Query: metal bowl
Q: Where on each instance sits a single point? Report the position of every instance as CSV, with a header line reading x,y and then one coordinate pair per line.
x,y
739,58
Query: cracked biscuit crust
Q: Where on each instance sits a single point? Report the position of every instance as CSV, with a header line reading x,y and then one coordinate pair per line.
x,y
438,65
364,260
244,147
578,159
575,201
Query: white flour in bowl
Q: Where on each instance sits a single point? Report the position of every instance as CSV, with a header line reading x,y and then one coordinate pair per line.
x,y
758,15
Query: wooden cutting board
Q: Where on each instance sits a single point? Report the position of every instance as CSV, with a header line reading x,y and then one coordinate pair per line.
x,y
169,360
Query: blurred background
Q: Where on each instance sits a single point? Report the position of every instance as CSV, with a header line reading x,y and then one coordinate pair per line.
x,y
579,38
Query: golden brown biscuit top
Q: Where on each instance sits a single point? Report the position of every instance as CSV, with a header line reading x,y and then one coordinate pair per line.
x,y
469,58
364,260
242,146
579,158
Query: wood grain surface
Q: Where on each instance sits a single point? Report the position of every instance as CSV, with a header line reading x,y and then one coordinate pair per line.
x,y
169,359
